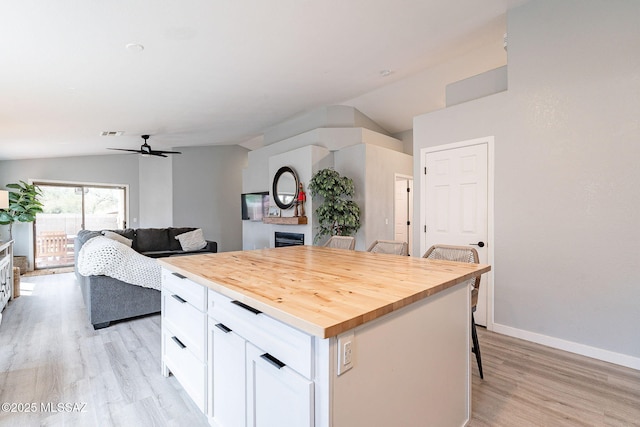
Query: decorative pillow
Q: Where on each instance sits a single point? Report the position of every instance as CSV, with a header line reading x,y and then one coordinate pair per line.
x,y
117,237
192,240
174,244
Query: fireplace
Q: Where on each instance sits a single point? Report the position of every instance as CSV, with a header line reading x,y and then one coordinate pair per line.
x,y
288,239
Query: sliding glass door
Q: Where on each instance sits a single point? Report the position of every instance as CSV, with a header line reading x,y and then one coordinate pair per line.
x,y
68,208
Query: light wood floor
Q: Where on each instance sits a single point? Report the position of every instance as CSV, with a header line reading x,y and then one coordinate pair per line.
x,y
50,354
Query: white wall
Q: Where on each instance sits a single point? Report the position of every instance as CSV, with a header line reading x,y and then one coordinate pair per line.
x,y
207,183
566,143
478,86
306,161
344,144
373,170
332,116
156,191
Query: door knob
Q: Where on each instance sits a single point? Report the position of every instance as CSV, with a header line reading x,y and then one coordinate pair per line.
x,y
480,244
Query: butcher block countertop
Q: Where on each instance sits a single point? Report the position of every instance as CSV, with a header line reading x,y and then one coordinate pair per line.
x,y
322,291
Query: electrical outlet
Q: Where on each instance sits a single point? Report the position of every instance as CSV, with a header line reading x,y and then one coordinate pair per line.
x,y
346,352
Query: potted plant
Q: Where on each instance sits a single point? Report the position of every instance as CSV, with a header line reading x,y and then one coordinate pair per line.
x,y
337,215
23,207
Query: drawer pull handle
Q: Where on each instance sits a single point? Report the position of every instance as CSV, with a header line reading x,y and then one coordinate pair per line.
x,y
223,328
275,362
177,341
246,307
180,276
182,300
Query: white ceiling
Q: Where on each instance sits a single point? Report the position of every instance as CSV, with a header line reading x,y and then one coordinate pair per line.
x,y
222,71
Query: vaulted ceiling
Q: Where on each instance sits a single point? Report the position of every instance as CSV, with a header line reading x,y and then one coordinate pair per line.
x,y
205,72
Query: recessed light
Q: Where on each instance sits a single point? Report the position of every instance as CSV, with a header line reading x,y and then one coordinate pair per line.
x,y
134,47
385,73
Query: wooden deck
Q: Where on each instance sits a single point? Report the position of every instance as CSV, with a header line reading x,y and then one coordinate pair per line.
x,y
54,249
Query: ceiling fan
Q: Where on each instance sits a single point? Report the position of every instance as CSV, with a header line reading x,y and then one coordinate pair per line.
x,y
145,149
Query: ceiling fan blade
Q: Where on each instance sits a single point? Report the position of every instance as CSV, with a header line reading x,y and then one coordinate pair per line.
x,y
165,152
145,149
124,149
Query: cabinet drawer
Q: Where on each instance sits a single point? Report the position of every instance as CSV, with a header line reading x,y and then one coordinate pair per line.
x,y
186,322
291,346
276,396
186,289
187,369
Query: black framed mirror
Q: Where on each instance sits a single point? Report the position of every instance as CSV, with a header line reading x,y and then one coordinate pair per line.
x,y
285,187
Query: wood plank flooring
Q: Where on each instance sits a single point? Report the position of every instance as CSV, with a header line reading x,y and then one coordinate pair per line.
x,y
49,354
527,384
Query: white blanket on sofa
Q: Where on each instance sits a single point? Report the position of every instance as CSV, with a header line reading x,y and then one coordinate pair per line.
x,y
103,256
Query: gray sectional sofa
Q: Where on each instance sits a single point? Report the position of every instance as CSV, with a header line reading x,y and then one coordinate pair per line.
x,y
108,299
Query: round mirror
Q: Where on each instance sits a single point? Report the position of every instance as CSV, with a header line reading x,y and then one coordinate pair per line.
x,y
285,187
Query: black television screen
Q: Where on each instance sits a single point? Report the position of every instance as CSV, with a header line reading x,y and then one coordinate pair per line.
x,y
255,206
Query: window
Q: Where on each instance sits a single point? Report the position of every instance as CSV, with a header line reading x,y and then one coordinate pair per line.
x,y
68,208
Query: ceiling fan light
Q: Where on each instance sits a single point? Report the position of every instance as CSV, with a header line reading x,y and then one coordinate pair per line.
x,y
134,47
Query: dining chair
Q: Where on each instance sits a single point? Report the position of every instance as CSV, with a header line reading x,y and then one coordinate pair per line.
x,y
462,254
394,247
341,242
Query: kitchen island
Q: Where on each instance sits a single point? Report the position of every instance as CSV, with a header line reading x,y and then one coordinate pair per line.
x,y
316,336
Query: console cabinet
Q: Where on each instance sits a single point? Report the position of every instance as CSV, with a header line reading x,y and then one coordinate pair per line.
x,y
6,274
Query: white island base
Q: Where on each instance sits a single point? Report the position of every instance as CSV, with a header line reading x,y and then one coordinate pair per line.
x,y
410,367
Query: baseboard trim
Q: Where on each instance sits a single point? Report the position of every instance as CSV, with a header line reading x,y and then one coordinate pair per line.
x,y
572,347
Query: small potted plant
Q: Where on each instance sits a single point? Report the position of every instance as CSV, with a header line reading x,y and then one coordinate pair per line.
x,y
338,215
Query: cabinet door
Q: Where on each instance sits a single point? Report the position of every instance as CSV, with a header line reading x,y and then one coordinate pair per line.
x,y
227,376
276,394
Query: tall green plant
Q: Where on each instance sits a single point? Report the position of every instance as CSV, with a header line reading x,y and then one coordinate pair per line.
x,y
337,215
23,205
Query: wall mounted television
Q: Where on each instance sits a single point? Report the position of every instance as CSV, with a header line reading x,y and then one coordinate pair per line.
x,y
255,206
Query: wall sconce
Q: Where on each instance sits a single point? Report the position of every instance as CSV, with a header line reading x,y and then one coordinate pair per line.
x,y
4,199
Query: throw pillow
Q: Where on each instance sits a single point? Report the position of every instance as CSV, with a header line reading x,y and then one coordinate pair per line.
x,y
192,240
117,237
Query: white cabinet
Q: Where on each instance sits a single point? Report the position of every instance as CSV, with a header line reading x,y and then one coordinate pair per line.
x,y
276,394
241,367
6,274
184,340
260,369
226,376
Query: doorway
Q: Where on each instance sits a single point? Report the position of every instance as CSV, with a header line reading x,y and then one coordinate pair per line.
x,y
403,210
69,208
457,206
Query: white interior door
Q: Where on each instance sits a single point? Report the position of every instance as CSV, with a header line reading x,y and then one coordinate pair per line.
x,y
456,204
403,210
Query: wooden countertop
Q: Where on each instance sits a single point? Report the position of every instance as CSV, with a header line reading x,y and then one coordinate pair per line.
x,y
322,291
